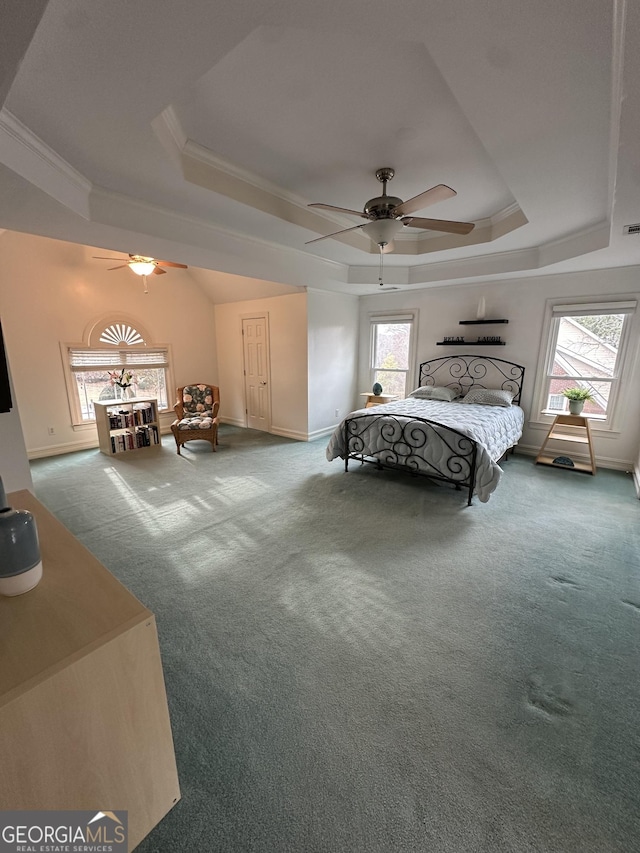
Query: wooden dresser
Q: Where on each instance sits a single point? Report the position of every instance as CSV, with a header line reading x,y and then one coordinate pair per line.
x,y
84,722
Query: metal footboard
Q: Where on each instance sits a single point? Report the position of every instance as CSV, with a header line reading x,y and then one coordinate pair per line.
x,y
416,445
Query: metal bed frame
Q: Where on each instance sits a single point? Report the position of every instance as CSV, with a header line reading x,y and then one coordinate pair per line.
x,y
405,437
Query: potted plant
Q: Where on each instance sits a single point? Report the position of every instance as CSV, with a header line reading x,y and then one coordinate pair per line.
x,y
577,397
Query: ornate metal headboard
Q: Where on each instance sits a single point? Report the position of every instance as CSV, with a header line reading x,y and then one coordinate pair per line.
x,y
463,372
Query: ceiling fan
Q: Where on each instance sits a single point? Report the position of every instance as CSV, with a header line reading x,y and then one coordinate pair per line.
x,y
387,214
142,265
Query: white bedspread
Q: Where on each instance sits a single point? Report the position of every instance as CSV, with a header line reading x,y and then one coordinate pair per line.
x,y
494,428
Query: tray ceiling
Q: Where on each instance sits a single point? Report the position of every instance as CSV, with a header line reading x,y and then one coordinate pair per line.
x,y
203,135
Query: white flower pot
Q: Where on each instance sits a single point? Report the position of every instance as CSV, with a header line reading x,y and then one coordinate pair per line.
x,y
576,406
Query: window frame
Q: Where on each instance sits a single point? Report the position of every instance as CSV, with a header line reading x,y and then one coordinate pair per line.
x,y
388,318
120,360
556,309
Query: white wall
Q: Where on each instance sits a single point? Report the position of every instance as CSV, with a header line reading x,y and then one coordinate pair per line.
x,y
522,302
51,292
333,350
287,317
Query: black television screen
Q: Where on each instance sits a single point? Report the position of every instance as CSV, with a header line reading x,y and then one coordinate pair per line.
x,y
5,388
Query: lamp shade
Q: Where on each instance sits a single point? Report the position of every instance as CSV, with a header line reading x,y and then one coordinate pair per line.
x,y
20,562
382,231
142,267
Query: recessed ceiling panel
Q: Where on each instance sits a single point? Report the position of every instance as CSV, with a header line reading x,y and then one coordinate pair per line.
x,y
315,113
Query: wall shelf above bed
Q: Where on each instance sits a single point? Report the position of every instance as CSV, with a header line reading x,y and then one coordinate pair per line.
x,y
479,322
486,341
470,343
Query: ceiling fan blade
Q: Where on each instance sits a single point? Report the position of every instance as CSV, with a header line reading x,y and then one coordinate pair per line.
x,y
451,227
99,258
343,231
171,264
441,192
158,271
340,209
116,268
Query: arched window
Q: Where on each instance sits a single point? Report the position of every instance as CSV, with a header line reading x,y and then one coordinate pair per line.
x,y
113,346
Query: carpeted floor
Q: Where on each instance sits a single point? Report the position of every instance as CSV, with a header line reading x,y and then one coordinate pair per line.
x,y
361,663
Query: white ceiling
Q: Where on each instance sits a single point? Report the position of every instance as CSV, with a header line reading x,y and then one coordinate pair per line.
x,y
200,132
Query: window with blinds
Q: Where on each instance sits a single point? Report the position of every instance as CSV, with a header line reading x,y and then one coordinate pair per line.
x,y
89,370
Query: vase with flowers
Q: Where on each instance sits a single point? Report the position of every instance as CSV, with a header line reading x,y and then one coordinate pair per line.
x,y
121,382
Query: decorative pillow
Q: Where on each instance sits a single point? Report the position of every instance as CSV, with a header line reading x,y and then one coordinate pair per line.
x,y
488,397
434,392
195,423
197,399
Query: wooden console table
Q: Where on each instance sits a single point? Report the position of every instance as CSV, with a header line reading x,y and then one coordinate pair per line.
x,y
84,722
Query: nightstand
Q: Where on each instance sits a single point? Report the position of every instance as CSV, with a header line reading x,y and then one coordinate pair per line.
x,y
377,399
570,428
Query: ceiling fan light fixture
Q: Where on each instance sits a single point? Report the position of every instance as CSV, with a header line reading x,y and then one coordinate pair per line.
x,y
382,231
142,266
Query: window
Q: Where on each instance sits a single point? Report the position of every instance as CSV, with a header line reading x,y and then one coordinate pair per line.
x,y
557,402
586,344
119,346
392,352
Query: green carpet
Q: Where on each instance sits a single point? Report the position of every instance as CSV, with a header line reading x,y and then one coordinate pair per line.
x,y
360,662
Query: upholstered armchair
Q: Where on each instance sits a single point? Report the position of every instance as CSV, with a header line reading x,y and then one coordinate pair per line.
x,y
197,415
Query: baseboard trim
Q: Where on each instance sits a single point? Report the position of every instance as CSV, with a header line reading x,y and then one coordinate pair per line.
x,y
233,422
601,461
289,433
61,449
73,446
285,433
321,433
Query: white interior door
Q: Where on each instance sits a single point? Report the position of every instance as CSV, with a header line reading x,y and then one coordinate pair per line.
x,y
255,342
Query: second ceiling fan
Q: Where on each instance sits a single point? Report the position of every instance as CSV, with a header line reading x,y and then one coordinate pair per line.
x,y
387,214
142,265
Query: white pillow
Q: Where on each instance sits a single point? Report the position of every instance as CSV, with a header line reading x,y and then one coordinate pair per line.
x,y
434,392
489,397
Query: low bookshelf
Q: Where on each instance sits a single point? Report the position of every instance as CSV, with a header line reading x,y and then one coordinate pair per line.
x,y
127,426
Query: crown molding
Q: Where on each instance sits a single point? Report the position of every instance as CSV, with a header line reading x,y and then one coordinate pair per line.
x,y
31,158
497,263
28,156
260,257
203,168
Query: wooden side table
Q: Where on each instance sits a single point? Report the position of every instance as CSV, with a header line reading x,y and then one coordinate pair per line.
x,y
377,399
570,428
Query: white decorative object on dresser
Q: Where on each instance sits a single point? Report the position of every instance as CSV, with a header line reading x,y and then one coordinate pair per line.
x,y
126,425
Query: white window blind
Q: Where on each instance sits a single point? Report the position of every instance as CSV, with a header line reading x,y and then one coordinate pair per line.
x,y
587,309
392,318
81,359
